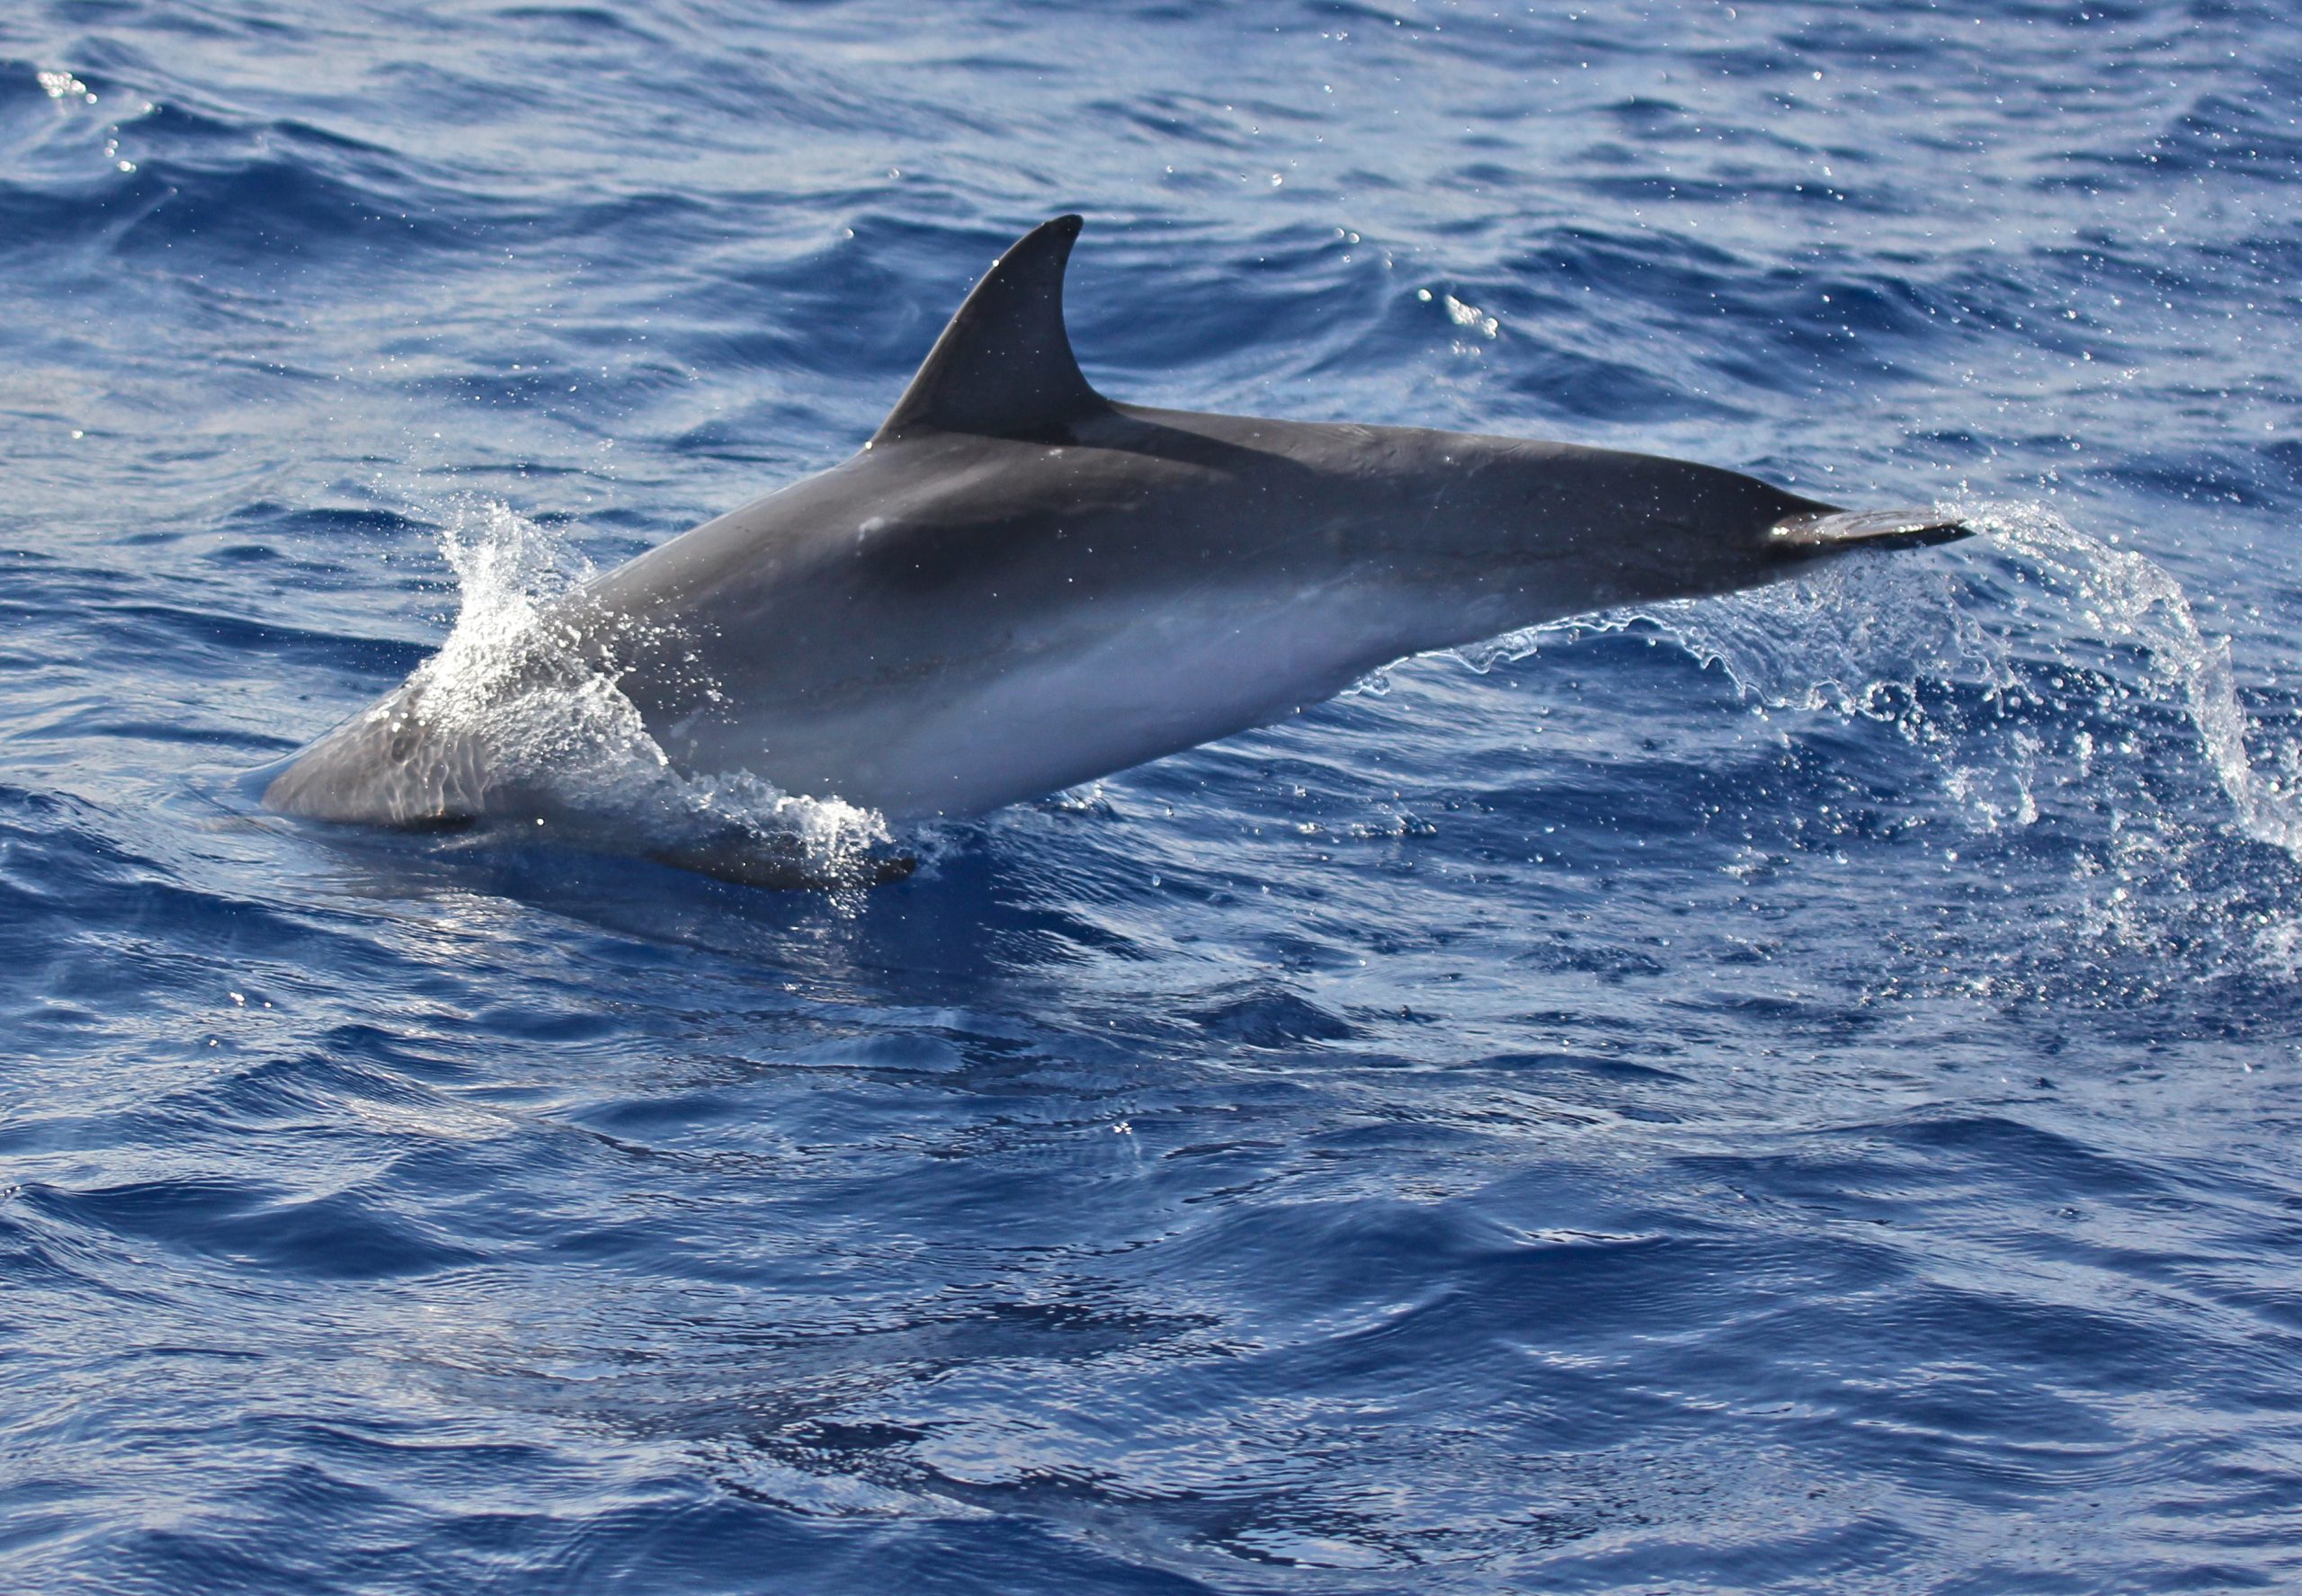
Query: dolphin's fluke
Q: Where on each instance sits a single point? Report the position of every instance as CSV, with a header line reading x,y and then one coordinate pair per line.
x,y
1834,532
1003,367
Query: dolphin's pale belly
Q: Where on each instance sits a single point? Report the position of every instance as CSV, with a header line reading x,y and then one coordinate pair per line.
x,y
1056,709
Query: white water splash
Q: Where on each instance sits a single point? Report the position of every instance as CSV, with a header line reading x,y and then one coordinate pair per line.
x,y
1866,637
2126,597
518,707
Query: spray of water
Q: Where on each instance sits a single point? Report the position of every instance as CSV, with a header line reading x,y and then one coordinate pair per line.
x,y
2052,626
2126,597
514,706
2046,676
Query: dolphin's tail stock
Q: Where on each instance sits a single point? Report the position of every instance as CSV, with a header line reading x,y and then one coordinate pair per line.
x,y
1819,534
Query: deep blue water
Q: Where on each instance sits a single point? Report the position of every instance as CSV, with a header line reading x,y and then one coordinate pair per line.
x,y
1793,1092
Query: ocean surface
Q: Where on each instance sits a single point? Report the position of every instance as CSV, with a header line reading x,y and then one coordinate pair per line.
x,y
1800,1092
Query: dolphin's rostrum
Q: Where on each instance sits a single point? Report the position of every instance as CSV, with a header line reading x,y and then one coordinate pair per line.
x,y
1019,585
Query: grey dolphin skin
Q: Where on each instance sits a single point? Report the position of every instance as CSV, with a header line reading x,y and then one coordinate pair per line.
x,y
1019,585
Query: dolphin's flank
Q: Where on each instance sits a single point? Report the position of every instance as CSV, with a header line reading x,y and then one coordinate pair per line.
x,y
1019,584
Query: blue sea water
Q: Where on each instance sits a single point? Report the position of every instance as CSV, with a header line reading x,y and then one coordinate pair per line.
x,y
1793,1092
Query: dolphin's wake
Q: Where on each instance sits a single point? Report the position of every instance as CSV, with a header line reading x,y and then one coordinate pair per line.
x,y
2073,712
1871,639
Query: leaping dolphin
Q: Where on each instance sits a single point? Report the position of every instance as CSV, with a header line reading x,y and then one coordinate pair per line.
x,y
1019,585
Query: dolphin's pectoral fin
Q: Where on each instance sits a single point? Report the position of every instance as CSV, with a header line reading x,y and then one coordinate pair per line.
x,y
1003,367
787,865
1835,531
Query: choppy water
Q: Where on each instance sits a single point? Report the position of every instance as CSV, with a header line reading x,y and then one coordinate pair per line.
x,y
1795,1093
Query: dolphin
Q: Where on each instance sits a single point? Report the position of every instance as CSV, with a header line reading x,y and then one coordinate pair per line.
x,y
1018,585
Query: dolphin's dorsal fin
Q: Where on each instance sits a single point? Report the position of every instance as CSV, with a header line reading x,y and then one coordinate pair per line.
x,y
1003,368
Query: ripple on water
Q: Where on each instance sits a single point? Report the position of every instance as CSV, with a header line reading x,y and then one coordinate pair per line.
x,y
1791,1091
